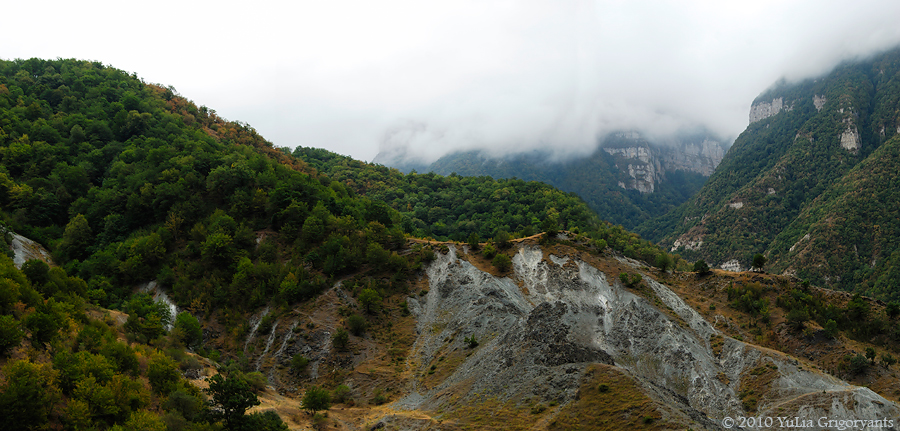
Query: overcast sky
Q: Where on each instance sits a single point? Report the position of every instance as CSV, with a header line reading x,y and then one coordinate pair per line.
x,y
358,76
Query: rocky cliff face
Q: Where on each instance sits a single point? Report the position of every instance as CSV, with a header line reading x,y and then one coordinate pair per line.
x,y
765,109
811,148
643,165
541,328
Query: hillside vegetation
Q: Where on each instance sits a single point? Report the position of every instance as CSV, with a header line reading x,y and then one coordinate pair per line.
x,y
127,182
812,187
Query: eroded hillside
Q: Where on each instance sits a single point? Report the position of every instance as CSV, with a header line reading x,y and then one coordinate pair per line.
x,y
550,343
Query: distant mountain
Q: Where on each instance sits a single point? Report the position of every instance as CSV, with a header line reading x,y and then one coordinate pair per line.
x,y
812,183
627,180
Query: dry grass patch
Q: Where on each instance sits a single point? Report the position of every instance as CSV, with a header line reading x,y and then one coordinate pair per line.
x,y
756,383
608,399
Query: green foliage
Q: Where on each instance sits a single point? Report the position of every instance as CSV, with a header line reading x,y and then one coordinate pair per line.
x,y
630,280
797,317
340,339
700,267
37,271
43,326
342,394
664,261
232,396
454,207
748,298
370,300
27,395
831,328
871,354
256,380
144,420
759,261
146,316
357,324
489,252
502,239
473,241
77,238
189,331
10,334
502,262
299,363
163,373
265,421
316,399
187,405
471,341
857,364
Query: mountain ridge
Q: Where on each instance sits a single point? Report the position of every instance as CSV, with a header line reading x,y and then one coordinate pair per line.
x,y
790,163
627,179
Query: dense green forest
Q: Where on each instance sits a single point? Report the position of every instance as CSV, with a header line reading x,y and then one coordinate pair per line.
x,y
457,208
594,178
791,177
127,182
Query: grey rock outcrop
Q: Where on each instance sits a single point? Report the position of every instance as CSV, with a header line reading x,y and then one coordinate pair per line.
x,y
645,165
762,110
541,327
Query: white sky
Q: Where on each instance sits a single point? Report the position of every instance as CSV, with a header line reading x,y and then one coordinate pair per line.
x,y
357,76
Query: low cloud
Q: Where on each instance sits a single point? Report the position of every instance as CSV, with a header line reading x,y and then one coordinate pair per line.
x,y
359,77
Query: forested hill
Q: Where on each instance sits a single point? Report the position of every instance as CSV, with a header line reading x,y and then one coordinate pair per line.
x,y
811,183
466,208
127,182
626,180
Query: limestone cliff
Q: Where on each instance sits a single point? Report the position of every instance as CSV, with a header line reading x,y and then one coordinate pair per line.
x,y
544,344
542,326
643,165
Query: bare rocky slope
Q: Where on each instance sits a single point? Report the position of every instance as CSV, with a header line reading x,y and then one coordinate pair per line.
x,y
551,334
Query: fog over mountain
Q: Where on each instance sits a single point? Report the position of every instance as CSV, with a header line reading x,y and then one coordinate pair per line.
x,y
362,77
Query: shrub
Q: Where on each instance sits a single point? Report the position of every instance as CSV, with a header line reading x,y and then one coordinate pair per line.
x,y
357,324
831,328
630,280
342,394
340,339
502,239
10,334
759,261
700,267
316,399
663,261
379,398
489,251
858,363
256,380
473,241
299,363
471,342
163,373
502,262
603,388
797,317
370,300
189,330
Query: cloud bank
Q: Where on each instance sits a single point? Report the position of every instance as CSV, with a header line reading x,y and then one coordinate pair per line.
x,y
357,77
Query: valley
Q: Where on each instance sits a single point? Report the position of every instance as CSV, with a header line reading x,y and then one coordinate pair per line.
x,y
168,269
